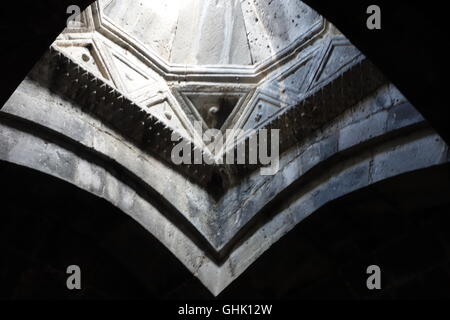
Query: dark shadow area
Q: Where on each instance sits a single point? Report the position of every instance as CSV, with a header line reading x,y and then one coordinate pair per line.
x,y
27,28
401,224
47,225
409,49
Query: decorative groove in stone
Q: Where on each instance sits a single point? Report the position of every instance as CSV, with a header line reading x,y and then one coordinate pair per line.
x,y
100,97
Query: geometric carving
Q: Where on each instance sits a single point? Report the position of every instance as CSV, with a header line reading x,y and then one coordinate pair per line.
x,y
213,107
263,107
86,53
134,81
294,80
164,112
143,111
157,34
338,53
275,26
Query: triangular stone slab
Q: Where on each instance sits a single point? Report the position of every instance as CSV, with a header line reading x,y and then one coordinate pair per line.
x,y
215,109
86,53
132,78
165,113
264,107
338,54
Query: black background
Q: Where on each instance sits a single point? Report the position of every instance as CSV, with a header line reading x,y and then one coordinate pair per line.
x,y
411,50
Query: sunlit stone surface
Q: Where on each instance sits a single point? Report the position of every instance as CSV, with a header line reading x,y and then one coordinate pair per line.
x,y
221,32
107,97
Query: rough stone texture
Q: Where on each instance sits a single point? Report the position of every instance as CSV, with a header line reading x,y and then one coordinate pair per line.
x,y
241,205
315,151
97,126
139,17
274,25
203,32
61,116
361,131
153,130
31,151
211,32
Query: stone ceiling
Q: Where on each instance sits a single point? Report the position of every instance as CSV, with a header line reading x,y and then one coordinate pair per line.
x,y
144,70
204,32
213,62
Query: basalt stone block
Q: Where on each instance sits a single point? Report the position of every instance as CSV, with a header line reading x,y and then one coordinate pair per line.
x,y
403,115
361,131
112,138
429,150
341,183
319,151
